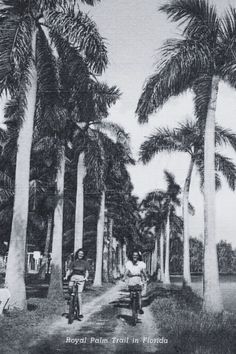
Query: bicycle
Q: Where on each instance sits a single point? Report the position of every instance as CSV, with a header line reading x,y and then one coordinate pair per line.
x,y
135,293
73,302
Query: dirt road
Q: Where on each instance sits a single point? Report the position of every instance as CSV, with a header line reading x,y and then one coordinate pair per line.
x,y
106,328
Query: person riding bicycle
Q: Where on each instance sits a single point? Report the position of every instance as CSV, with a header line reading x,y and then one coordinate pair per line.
x,y
135,271
79,271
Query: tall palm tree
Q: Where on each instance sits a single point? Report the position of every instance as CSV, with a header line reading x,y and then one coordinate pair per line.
x,y
110,158
188,138
22,31
100,97
204,56
162,204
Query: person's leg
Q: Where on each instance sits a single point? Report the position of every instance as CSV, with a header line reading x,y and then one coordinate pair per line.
x,y
80,303
140,303
80,290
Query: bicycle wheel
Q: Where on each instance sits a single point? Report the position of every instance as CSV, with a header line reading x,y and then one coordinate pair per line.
x,y
71,309
77,307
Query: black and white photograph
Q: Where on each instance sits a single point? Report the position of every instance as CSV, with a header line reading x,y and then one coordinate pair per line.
x,y
118,176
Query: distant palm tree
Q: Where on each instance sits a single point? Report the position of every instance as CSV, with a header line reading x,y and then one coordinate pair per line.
x,y
188,138
204,56
161,213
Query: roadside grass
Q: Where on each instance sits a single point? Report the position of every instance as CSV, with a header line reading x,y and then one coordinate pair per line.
x,y
189,329
18,328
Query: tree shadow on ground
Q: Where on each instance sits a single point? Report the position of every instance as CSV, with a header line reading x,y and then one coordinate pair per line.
x,y
128,319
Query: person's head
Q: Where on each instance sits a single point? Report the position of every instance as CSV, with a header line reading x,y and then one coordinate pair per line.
x,y
135,256
79,254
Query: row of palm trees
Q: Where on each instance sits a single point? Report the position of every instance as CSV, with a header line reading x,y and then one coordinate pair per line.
x,y
51,57
197,62
187,138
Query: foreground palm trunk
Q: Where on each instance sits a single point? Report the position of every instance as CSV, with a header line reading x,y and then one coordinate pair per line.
x,y
16,256
43,268
212,295
79,212
100,233
167,260
56,287
186,261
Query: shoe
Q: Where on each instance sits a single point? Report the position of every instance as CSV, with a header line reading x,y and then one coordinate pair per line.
x,y
141,312
80,316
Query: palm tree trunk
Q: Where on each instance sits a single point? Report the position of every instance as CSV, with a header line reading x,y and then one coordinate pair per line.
x,y
186,261
124,253
155,258
55,290
149,263
100,233
43,268
152,263
167,259
120,259
79,211
16,256
110,249
162,257
105,261
212,294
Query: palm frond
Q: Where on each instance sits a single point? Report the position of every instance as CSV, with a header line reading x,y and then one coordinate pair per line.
x,y
182,62
227,44
199,163
15,43
47,70
227,168
6,194
198,16
118,132
202,95
225,137
80,31
163,140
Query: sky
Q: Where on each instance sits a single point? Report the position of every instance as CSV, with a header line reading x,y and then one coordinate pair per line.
x,y
134,31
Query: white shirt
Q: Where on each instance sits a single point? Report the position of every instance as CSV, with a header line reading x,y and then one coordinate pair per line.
x,y
135,269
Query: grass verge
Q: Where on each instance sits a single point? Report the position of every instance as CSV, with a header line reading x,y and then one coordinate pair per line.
x,y
18,328
190,330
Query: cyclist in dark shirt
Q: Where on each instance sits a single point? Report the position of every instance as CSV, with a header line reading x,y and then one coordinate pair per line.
x,y
79,271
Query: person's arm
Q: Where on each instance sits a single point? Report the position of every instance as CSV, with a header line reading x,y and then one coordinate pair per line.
x,y
86,275
144,273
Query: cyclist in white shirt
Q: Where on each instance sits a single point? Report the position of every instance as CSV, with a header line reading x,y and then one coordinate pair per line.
x,y
135,271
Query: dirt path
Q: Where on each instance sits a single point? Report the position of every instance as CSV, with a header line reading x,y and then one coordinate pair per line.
x,y
106,328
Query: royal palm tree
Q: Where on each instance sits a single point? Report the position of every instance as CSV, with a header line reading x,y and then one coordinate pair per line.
x,y
204,56
188,138
161,211
109,157
22,31
99,98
